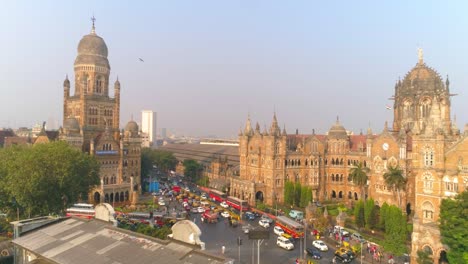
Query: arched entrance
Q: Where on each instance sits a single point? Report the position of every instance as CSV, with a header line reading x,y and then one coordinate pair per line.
x,y
408,208
259,196
443,257
106,198
97,197
355,196
333,194
111,197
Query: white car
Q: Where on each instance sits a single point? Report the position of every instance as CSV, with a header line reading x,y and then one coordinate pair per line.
x,y
284,243
225,214
201,209
161,202
203,196
278,230
320,245
264,223
224,205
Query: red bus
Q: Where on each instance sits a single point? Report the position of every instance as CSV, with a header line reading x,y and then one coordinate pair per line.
x,y
237,203
81,210
139,217
218,196
290,226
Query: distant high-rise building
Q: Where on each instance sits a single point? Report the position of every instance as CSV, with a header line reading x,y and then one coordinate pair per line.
x,y
163,132
148,125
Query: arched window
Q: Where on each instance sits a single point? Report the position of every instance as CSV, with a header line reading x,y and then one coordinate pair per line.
x,y
277,148
425,108
428,182
428,156
428,210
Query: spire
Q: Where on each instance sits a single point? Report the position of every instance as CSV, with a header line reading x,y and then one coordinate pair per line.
x,y
248,127
447,83
386,126
66,82
240,131
369,130
284,130
265,131
420,56
93,29
337,120
274,128
257,128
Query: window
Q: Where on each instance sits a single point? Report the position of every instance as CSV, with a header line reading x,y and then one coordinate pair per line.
x,y
428,210
277,148
425,108
428,182
428,156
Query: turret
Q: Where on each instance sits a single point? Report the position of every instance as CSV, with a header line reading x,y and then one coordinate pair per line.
x,y
248,127
66,95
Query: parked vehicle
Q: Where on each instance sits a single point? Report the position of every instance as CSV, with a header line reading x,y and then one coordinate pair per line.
x,y
278,230
358,237
297,215
267,218
319,244
264,223
224,204
284,243
314,253
249,216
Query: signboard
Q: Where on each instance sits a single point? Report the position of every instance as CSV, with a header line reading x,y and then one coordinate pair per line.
x,y
107,152
259,234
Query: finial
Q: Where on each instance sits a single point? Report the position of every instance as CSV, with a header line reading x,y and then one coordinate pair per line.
x,y
93,29
420,56
337,120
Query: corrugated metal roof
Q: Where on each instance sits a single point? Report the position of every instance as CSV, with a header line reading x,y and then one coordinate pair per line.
x,y
81,241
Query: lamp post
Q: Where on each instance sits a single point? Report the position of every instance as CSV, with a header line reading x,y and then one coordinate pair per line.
x,y
361,251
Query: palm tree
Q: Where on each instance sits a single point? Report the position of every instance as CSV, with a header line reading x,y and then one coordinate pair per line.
x,y
358,175
394,178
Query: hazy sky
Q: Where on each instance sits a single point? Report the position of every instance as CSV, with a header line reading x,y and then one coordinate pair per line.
x,y
207,64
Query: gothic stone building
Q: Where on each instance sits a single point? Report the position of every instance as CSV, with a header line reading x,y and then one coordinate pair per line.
x,y
424,143
91,123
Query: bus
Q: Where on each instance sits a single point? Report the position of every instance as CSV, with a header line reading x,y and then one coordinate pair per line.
x,y
237,203
290,226
81,210
218,196
140,217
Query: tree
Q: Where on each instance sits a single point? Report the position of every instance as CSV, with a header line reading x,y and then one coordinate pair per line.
x,y
46,178
359,214
369,207
192,169
453,223
395,231
424,257
358,175
383,215
306,196
289,193
297,193
395,179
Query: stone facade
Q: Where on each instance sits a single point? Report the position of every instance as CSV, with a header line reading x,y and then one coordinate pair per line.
x,y
91,124
423,142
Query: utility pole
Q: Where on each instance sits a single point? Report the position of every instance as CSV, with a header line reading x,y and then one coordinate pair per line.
x,y
259,242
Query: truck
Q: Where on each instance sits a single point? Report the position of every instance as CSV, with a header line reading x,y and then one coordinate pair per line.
x,y
210,217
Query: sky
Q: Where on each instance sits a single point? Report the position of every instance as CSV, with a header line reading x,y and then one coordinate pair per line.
x,y
209,64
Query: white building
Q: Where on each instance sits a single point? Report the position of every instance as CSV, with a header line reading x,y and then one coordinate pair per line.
x,y
148,127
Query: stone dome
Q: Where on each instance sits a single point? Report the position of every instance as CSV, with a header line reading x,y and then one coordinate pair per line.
x,y
92,50
131,126
421,78
71,124
337,131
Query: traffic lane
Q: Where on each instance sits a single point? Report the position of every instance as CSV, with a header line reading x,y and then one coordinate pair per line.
x,y
221,234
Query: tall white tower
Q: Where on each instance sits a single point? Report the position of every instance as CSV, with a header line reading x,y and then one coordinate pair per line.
x,y
148,127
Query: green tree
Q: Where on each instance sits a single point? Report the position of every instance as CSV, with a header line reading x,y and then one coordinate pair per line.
x,y
358,175
359,214
192,169
369,207
46,178
297,193
424,257
289,193
395,179
453,227
395,231
383,215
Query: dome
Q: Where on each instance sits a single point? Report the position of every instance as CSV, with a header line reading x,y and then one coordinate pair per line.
x,y
131,126
337,131
422,78
71,124
92,50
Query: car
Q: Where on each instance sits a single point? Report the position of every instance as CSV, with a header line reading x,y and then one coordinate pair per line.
x,y
249,216
194,210
348,251
314,253
278,230
358,237
246,228
284,243
267,218
161,202
225,214
203,196
319,244
224,204
201,209
264,223
343,258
